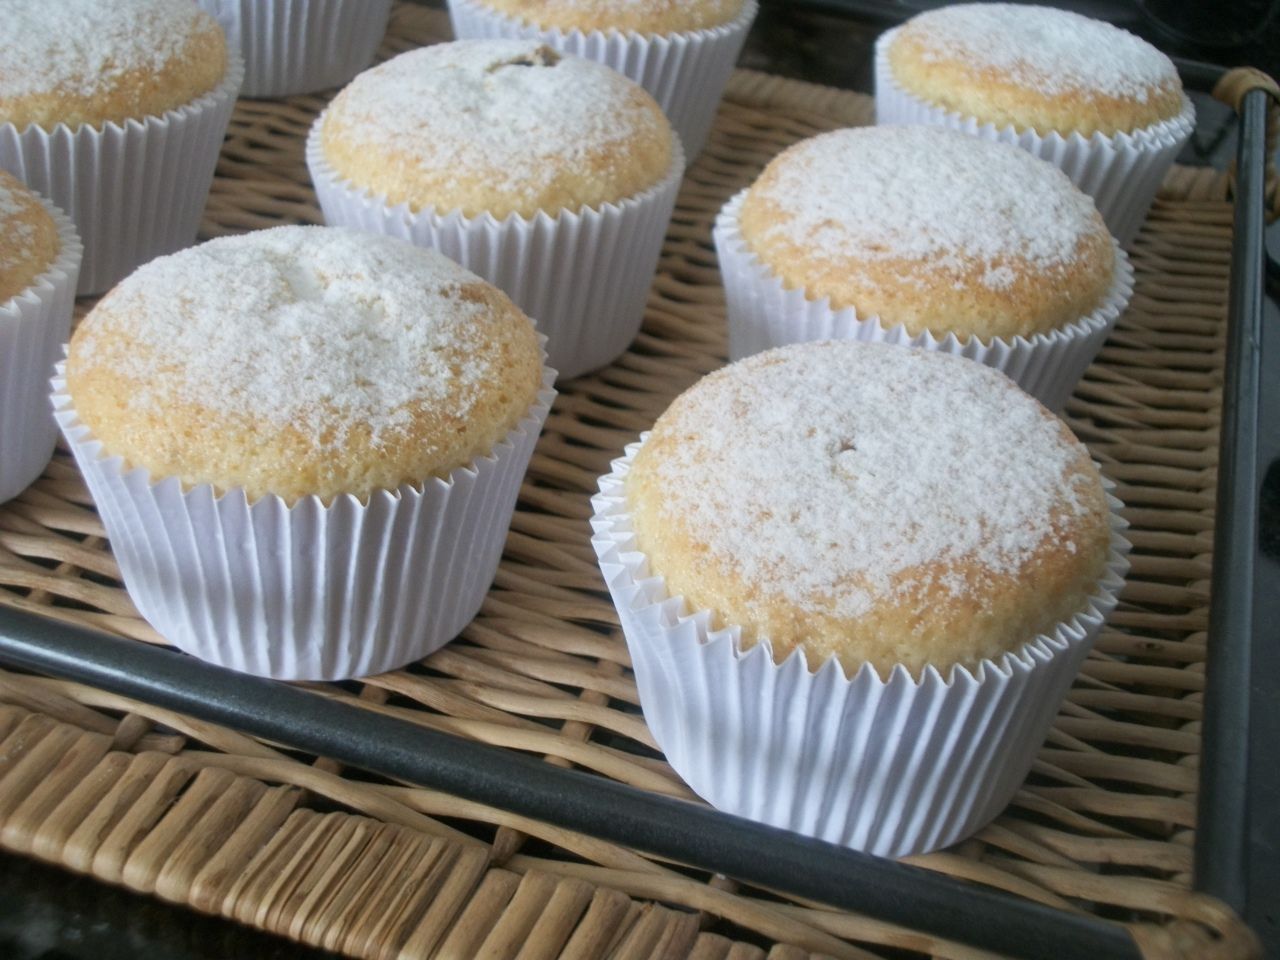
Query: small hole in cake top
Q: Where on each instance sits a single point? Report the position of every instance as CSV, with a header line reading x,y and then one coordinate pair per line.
x,y
1049,50
542,57
825,469
509,121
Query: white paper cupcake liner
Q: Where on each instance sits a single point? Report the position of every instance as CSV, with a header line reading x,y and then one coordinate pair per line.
x,y
763,313
583,276
33,326
1122,172
300,46
134,190
890,766
685,72
308,591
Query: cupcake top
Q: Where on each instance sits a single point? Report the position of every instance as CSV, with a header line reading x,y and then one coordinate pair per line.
x,y
931,229
90,61
625,16
28,237
303,361
1035,67
870,502
496,126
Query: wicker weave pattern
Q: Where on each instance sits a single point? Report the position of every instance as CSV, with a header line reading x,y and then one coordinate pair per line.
x,y
204,816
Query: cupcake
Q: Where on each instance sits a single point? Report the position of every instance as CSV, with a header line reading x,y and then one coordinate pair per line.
x,y
856,582
305,445
929,238
1099,103
552,177
301,46
680,52
39,259
116,112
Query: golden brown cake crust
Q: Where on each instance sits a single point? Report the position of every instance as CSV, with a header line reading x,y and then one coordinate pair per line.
x,y
498,127
1035,68
91,62
28,237
626,16
869,502
303,361
931,229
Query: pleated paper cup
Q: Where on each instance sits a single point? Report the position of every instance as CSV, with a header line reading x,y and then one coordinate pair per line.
x,y
583,276
135,190
685,72
891,766
1121,172
763,313
309,591
33,326
301,46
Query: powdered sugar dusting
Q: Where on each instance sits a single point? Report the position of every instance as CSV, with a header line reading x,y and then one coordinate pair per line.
x,y
921,193
641,15
514,107
80,47
309,327
1054,51
628,6
827,469
18,235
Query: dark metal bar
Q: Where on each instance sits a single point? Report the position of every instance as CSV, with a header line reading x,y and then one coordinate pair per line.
x,y
1222,845
1198,75
685,832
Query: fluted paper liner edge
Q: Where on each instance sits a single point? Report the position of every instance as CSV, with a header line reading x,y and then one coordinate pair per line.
x,y
890,766
301,46
762,313
308,591
33,326
582,275
1121,172
135,190
685,72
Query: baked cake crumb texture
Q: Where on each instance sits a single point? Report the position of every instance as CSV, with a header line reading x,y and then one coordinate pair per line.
x,y
932,230
85,61
376,357
496,126
921,193
1054,51
825,472
873,502
303,360
635,16
1032,68
28,237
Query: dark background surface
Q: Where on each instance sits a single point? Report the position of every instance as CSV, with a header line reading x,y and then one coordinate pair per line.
x,y
49,914
829,41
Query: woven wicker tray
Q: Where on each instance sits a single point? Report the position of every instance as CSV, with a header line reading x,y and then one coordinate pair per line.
x,y
207,817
